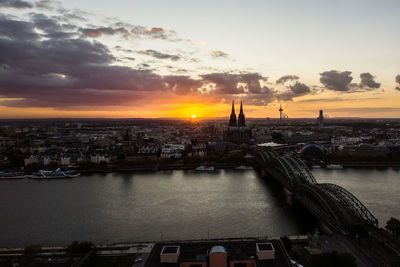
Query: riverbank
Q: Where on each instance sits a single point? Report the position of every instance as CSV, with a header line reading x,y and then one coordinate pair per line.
x,y
157,167
354,163
370,163
182,166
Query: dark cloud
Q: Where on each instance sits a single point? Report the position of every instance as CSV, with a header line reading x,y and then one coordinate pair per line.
x,y
69,72
97,32
182,85
72,72
218,54
159,55
397,79
352,111
45,23
52,28
296,90
72,16
367,80
225,83
299,88
286,78
341,81
131,31
155,33
48,4
247,86
335,99
129,58
68,15
14,29
15,4
119,48
336,80
64,72
252,83
44,63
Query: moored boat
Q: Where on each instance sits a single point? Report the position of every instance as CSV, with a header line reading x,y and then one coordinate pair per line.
x,y
12,175
334,166
242,167
57,174
204,168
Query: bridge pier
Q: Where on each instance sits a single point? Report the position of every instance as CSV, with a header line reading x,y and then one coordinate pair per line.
x,y
289,197
324,228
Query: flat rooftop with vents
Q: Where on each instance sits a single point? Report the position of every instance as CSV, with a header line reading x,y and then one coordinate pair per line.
x,y
232,253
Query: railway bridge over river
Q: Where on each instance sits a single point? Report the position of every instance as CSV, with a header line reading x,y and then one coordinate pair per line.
x,y
335,206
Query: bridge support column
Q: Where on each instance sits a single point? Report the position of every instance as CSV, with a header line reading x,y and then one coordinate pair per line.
x,y
289,196
324,228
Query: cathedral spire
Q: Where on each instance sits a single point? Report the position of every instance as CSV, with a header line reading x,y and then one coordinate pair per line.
x,y
241,120
232,120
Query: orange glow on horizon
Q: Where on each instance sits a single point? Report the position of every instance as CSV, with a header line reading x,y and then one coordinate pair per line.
x,y
384,105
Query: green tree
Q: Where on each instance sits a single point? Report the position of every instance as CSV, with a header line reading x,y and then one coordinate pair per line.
x,y
393,226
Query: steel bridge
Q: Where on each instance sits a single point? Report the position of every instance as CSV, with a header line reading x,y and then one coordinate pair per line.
x,y
332,204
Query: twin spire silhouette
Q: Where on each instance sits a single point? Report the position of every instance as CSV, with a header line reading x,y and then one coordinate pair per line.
x,y
241,120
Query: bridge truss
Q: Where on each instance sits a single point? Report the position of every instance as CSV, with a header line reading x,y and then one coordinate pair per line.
x,y
331,203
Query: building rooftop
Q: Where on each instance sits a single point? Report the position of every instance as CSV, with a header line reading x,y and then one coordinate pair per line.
x,y
216,249
196,251
265,246
170,249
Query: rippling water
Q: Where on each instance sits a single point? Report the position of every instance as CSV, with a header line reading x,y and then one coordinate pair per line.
x,y
145,206
171,205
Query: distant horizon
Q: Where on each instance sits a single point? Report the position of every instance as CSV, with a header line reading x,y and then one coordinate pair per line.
x,y
149,59
197,118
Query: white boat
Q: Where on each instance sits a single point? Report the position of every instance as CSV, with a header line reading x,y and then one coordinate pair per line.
x,y
12,175
204,168
57,174
334,166
242,167
316,167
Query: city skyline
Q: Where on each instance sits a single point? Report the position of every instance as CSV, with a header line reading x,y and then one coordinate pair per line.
x,y
156,60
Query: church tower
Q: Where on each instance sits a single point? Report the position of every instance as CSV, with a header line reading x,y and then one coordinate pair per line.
x,y
241,121
232,120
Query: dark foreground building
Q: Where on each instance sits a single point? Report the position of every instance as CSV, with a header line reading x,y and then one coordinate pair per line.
x,y
232,253
237,131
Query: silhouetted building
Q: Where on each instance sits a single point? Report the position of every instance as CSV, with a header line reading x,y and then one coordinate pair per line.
x,y
320,119
222,253
232,120
237,132
312,149
128,142
280,114
241,120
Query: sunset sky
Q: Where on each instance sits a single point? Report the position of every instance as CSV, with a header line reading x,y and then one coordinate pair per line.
x,y
130,59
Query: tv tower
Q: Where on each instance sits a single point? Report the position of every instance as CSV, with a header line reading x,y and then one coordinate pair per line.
x,y
280,114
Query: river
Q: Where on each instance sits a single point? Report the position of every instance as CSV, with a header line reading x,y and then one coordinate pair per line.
x,y
115,207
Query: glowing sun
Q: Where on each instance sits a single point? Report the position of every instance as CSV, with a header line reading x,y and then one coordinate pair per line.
x,y
193,116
